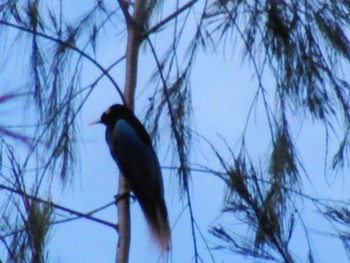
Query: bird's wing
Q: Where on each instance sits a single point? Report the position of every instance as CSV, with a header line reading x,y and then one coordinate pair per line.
x,y
137,160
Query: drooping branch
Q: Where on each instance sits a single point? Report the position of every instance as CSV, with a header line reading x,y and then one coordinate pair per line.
x,y
67,44
59,207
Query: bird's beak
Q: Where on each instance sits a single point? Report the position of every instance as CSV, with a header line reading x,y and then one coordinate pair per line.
x,y
95,122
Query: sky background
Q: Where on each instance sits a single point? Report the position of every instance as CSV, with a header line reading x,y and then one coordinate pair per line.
x,y
222,91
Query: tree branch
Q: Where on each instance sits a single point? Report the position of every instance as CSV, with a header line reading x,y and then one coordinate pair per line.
x,y
134,25
59,207
183,163
67,44
169,18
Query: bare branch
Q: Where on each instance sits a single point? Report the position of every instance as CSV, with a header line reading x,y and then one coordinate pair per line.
x,y
56,206
166,20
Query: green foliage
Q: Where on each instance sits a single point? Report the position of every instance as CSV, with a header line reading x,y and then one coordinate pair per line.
x,y
37,226
53,49
302,44
177,96
260,204
283,167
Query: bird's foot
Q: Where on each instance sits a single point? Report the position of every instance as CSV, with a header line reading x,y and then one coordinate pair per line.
x,y
120,197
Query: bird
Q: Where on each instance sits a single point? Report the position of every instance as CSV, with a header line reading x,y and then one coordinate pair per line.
x,y
131,147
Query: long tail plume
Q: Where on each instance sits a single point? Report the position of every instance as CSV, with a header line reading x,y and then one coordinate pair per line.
x,y
157,218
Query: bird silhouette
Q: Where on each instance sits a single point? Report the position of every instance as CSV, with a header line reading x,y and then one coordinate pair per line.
x,y
131,148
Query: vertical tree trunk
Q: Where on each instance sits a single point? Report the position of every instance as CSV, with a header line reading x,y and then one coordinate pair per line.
x,y
134,24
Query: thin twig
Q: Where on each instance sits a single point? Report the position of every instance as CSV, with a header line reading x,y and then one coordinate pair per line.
x,y
181,156
56,206
169,18
66,44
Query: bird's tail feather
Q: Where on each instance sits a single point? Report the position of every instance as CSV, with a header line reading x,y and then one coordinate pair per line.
x,y
157,218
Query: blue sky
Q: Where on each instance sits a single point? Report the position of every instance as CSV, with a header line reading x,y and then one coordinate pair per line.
x,y
229,87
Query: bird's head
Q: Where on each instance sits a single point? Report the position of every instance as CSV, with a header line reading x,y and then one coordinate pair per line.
x,y
112,114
